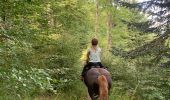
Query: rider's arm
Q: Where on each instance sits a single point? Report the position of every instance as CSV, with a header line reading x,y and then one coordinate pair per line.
x,y
88,53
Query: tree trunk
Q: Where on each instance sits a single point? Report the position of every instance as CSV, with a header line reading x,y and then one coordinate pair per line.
x,y
50,16
97,18
109,23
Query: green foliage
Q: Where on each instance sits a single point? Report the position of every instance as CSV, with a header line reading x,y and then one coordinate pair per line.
x,y
41,44
39,54
24,83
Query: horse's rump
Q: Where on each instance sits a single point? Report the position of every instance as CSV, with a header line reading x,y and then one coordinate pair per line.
x,y
96,77
92,75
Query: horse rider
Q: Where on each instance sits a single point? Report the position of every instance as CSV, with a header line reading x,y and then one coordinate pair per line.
x,y
93,57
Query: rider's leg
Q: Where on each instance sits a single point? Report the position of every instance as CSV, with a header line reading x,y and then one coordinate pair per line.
x,y
86,68
100,64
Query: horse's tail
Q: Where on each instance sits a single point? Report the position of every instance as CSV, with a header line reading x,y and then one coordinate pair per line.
x,y
103,88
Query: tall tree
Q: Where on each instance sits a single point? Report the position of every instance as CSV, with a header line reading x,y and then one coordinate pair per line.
x,y
97,17
109,22
158,22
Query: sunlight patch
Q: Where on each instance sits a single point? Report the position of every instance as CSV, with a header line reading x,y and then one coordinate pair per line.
x,y
54,36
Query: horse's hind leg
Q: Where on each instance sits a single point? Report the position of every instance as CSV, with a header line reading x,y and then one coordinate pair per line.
x,y
91,93
88,96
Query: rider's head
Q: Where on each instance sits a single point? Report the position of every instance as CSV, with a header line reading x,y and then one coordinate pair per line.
x,y
94,42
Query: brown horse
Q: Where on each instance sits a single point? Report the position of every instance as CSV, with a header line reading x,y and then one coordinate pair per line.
x,y
98,82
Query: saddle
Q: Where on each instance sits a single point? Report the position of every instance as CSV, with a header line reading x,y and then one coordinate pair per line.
x,y
95,65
